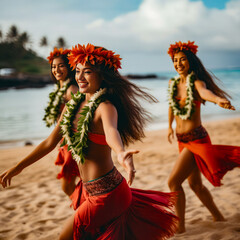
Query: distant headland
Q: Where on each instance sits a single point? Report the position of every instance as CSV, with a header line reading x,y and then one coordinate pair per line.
x,y
21,67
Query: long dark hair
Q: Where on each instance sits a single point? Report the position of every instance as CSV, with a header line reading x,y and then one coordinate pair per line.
x,y
202,74
125,96
71,73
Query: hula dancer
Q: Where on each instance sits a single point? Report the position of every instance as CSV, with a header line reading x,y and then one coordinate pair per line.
x,y
105,115
197,154
65,84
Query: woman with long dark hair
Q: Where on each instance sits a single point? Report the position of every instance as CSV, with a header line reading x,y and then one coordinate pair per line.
x,y
65,85
104,116
194,86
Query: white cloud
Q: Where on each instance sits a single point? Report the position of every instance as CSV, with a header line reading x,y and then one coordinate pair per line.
x,y
148,30
158,22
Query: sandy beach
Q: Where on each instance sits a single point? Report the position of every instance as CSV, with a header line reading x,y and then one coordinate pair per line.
x,y
34,207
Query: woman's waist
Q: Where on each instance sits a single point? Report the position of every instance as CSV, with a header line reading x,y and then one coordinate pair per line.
x,y
198,132
185,126
103,184
95,168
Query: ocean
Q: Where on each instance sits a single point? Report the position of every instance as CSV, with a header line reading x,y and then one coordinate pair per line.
x,y
22,110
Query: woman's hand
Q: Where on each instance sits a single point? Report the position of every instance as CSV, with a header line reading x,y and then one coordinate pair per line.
x,y
224,103
170,134
5,177
125,158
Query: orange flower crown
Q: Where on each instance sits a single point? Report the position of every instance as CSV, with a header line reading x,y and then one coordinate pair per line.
x,y
179,46
93,55
56,53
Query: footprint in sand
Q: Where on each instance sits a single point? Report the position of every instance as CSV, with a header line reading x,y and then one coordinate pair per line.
x,y
40,204
9,208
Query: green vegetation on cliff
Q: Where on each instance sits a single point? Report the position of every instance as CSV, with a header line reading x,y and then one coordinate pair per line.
x,y
14,55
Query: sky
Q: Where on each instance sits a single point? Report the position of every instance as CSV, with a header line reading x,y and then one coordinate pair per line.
x,y
139,30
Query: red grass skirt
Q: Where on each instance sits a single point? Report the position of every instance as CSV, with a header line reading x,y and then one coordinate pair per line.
x,y
69,166
214,161
107,208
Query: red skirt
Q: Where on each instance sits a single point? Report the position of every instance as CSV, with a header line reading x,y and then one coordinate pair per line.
x,y
107,208
214,161
69,166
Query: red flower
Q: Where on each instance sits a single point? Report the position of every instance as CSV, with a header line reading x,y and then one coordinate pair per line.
x,y
93,55
56,53
179,46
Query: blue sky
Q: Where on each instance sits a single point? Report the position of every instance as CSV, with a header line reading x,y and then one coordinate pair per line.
x,y
220,4
139,30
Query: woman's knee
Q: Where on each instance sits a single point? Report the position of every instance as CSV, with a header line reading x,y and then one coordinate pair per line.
x,y
173,184
67,231
66,235
63,237
196,187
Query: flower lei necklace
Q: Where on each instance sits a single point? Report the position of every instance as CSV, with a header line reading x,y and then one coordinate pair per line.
x,y
56,98
77,141
189,108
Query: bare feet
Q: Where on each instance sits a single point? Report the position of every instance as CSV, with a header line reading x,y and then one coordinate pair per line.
x,y
219,219
181,229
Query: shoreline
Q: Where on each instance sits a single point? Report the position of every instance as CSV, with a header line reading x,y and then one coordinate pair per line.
x,y
6,144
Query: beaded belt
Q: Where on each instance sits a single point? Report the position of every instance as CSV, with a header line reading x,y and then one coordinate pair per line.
x,y
104,184
197,133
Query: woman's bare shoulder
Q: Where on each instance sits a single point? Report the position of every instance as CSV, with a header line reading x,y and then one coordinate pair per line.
x,y
72,89
199,83
107,107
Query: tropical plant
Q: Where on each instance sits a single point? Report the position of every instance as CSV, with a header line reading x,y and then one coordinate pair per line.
x,y
12,34
23,39
61,43
44,41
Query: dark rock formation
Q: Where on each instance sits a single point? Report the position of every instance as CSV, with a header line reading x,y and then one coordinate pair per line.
x,y
141,76
24,81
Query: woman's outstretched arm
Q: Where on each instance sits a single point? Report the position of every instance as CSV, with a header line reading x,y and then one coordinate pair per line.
x,y
40,151
109,118
208,95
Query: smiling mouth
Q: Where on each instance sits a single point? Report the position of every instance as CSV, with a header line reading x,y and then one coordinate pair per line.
x,y
82,84
180,69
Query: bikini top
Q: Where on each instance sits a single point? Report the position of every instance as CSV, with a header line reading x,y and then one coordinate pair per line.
x,y
97,138
182,102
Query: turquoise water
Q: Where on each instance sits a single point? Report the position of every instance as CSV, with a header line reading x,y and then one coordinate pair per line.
x,y
23,109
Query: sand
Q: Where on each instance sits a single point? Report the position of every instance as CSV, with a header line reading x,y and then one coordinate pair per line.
x,y
34,207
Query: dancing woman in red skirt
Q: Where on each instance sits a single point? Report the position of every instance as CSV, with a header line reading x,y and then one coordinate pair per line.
x,y
65,84
197,154
105,115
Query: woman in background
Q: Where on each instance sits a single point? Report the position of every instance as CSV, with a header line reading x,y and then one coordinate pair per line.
x,y
194,86
65,85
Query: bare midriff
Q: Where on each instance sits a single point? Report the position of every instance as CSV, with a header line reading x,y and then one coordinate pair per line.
x,y
184,126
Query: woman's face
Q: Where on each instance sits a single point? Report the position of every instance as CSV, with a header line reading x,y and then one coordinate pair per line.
x,y
181,63
88,80
59,69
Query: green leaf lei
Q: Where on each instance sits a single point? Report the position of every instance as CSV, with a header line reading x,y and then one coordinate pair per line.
x,y
77,141
52,111
189,108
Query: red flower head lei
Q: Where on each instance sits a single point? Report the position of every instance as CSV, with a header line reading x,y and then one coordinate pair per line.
x,y
93,55
56,53
179,46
